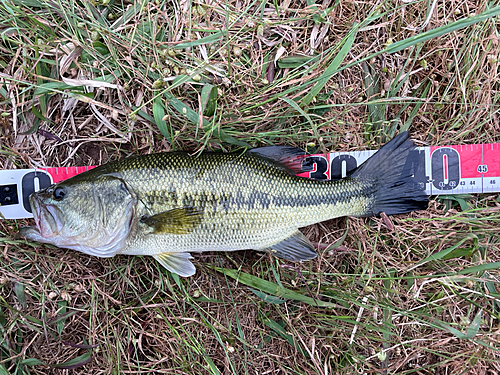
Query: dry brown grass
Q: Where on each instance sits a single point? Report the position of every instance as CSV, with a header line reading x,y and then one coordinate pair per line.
x,y
126,315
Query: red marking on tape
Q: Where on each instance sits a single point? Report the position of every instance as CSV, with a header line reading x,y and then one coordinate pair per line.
x,y
445,163
470,155
63,173
491,158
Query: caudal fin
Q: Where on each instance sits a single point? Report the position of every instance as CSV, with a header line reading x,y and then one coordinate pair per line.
x,y
391,171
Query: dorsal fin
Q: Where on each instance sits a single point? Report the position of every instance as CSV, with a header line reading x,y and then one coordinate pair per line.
x,y
290,158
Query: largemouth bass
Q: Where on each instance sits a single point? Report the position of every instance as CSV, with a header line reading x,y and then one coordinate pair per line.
x,y
169,205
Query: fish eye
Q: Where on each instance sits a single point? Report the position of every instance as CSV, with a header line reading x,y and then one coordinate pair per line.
x,y
59,193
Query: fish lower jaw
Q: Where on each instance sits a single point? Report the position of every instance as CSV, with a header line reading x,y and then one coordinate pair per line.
x,y
31,233
103,251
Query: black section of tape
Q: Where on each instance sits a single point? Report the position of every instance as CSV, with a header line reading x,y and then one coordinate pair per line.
x,y
8,195
28,185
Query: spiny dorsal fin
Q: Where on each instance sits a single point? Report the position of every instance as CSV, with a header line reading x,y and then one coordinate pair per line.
x,y
290,158
177,221
178,263
295,248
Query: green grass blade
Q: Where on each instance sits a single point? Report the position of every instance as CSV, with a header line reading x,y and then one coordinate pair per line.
x,y
51,87
455,332
159,115
75,362
30,3
443,253
294,61
193,117
431,34
62,312
417,106
211,365
20,293
272,288
479,269
332,68
205,40
339,242
280,331
442,30
473,328
208,98
267,298
295,106
31,362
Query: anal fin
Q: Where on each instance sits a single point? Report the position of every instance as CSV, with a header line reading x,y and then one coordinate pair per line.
x,y
294,248
178,263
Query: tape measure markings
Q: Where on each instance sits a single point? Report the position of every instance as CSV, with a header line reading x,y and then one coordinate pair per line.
x,y
461,169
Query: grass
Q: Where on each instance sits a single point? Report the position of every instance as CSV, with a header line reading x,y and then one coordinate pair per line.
x,y
82,83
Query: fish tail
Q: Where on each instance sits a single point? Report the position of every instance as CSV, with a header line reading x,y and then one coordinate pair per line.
x,y
390,172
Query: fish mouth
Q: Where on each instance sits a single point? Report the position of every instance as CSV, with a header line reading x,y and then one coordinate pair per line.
x,y
49,220
94,231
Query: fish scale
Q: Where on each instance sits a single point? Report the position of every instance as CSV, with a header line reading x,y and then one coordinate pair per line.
x,y
280,192
172,204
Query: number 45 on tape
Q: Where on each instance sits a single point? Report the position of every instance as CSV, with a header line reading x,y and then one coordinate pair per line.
x,y
462,169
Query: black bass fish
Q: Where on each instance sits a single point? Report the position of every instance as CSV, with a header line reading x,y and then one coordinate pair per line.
x,y
169,205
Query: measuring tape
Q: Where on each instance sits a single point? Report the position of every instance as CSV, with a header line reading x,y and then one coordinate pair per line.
x,y
16,185
462,169
437,170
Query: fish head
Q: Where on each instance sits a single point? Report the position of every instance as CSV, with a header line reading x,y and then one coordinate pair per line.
x,y
94,216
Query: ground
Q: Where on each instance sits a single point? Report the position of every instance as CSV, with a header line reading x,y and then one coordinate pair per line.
x,y
82,83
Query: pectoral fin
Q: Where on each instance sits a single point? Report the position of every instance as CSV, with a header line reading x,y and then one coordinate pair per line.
x,y
177,221
178,263
295,248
